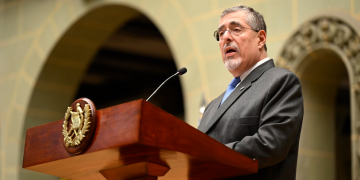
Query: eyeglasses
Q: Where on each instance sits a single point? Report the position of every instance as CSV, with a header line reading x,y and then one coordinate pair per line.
x,y
234,31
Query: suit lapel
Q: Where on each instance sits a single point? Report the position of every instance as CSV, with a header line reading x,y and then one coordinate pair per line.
x,y
212,109
226,104
216,112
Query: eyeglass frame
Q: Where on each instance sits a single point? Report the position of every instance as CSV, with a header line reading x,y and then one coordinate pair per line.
x,y
217,38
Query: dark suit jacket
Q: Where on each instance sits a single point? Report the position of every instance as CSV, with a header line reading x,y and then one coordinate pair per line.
x,y
261,119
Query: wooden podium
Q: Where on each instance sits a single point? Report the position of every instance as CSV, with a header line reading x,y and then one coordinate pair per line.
x,y
134,140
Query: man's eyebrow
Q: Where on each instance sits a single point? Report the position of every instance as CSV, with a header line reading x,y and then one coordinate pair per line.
x,y
235,23
231,23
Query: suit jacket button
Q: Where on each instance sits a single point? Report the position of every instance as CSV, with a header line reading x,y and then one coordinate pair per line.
x,y
241,88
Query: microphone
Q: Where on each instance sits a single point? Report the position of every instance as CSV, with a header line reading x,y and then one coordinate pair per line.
x,y
180,72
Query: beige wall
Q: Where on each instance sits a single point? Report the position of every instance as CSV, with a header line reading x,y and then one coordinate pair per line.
x,y
30,29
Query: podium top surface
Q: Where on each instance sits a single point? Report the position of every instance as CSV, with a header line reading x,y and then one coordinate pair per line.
x,y
131,133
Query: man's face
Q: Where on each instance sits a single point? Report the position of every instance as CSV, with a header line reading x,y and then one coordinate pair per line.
x,y
239,52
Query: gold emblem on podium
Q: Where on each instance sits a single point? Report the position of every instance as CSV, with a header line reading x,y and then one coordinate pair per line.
x,y
80,124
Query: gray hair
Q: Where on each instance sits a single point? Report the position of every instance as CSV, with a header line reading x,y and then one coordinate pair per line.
x,y
254,18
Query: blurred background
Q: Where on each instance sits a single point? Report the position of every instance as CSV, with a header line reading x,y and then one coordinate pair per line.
x,y
53,52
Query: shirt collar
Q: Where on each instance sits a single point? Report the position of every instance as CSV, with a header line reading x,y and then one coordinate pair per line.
x,y
245,74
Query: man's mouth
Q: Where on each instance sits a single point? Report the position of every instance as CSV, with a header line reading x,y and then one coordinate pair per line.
x,y
230,52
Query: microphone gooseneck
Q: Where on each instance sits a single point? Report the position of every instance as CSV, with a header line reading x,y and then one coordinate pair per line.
x,y
180,72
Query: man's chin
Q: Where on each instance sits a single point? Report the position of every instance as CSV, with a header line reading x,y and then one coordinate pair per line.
x,y
232,64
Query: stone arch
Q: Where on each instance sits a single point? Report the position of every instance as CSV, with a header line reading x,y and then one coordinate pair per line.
x,y
68,61
338,36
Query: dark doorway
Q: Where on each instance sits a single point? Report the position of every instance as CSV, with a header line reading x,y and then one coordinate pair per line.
x,y
343,131
130,66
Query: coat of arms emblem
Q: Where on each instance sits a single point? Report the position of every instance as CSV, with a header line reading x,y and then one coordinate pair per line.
x,y
80,124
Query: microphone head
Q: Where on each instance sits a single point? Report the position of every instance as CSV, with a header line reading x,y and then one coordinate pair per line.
x,y
182,71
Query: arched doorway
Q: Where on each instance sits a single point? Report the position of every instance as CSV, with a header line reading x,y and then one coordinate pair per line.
x,y
325,54
130,65
325,139
112,54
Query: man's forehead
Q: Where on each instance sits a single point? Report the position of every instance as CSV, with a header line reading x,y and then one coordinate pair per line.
x,y
233,22
237,23
232,18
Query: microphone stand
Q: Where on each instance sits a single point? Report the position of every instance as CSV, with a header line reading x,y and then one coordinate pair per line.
x,y
162,85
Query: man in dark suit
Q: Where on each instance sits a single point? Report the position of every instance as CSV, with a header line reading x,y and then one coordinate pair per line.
x,y
260,114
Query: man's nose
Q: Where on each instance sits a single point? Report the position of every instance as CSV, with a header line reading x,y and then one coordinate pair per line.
x,y
227,36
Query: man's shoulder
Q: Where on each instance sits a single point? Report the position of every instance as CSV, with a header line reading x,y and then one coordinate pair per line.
x,y
276,76
279,72
268,70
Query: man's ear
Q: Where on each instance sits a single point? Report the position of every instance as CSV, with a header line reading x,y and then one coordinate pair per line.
x,y
262,39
